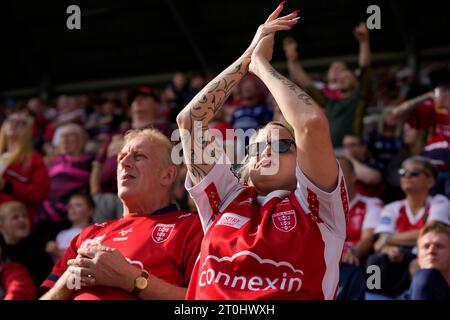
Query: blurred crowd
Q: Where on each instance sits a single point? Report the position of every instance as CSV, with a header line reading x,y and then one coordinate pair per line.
x,y
58,160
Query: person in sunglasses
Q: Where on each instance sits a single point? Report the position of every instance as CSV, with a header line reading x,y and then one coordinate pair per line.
x,y
279,232
400,222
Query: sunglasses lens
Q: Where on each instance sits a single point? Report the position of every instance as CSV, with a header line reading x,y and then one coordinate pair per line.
x,y
411,173
281,146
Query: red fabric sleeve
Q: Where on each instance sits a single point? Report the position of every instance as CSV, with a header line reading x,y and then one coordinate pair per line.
x,y
423,115
191,250
61,266
17,282
36,189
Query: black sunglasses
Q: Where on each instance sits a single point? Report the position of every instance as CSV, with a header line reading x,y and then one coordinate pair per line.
x,y
278,146
411,173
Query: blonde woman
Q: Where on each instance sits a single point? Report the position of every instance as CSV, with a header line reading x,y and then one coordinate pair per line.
x,y
281,234
23,174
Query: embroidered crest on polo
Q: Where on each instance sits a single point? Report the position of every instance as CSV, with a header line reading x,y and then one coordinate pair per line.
x,y
284,221
161,232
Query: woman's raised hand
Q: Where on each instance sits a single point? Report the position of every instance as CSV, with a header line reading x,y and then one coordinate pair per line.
x,y
272,25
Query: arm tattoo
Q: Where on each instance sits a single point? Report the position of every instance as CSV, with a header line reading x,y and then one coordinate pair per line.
x,y
202,109
301,95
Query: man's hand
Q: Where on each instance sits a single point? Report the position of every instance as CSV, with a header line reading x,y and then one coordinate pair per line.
x,y
105,266
361,32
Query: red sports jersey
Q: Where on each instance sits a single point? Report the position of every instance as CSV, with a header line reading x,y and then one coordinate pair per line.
x,y
165,243
286,245
425,116
397,217
364,214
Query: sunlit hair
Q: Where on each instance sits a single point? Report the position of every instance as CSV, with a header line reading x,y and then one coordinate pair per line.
x,y
81,135
11,207
154,136
436,227
244,170
164,148
25,142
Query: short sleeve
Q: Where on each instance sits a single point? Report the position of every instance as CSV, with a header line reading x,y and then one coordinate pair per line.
x,y
373,211
388,219
213,191
439,209
330,208
192,249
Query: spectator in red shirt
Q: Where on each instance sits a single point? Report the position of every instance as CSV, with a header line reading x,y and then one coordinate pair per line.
x,y
23,174
432,111
112,260
21,244
144,105
15,281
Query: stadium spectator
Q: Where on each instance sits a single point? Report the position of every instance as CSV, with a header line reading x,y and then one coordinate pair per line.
x,y
81,209
246,224
68,110
178,93
330,88
144,104
413,142
254,111
345,114
69,169
112,260
432,280
104,120
22,245
400,222
15,281
363,217
368,171
432,111
384,141
38,110
23,174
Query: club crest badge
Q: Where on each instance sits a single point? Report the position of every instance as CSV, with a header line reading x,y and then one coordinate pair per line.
x,y
161,232
285,221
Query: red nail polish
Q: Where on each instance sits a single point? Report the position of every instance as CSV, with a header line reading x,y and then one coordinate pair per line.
x,y
282,4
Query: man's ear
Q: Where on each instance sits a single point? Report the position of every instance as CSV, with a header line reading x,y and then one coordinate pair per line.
x,y
169,175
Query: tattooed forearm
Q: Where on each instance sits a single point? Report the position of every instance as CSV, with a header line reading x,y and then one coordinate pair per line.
x,y
200,149
305,98
204,106
301,95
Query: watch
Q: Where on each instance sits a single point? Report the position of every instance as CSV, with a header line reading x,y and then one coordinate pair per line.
x,y
141,282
